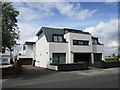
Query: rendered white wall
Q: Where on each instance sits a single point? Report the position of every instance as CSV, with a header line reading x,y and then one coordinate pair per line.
x,y
69,54
77,48
34,51
53,67
80,48
56,47
99,49
42,53
29,51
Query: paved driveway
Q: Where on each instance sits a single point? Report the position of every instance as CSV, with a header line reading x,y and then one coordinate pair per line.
x,y
34,75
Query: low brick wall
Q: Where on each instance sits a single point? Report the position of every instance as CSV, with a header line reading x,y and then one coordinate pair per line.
x,y
13,70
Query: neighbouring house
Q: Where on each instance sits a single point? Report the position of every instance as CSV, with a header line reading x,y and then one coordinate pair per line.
x,y
56,45
6,57
27,55
111,57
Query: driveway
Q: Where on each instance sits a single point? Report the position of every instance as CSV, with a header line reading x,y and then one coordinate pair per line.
x,y
37,76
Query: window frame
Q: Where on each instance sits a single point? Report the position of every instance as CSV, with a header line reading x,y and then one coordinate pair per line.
x,y
58,38
81,42
58,57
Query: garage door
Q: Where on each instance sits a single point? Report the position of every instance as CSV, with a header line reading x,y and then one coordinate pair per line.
x,y
25,61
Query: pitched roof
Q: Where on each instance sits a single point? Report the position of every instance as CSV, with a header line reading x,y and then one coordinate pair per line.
x,y
29,43
49,32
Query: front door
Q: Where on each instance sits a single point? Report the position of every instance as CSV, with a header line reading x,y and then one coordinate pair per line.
x,y
82,57
97,57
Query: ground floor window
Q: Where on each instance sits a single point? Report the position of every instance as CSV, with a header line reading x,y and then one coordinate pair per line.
x,y
82,57
97,57
59,58
5,60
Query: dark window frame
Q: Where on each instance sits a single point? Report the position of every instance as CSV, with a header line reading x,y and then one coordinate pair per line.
x,y
95,41
97,56
81,42
58,38
24,47
58,56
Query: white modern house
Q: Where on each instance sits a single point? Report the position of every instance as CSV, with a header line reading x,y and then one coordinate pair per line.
x,y
27,55
56,45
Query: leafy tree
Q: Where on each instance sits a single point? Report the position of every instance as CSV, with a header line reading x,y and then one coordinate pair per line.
x,y
10,32
0,27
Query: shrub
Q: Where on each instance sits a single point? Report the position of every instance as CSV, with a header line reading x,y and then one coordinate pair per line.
x,y
111,61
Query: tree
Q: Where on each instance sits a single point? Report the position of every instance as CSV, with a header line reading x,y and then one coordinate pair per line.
x,y
0,27
10,32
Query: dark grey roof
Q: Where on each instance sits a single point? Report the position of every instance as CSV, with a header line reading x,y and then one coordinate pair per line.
x,y
29,43
94,37
76,31
49,32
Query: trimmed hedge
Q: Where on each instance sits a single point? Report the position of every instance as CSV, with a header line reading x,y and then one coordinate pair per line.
x,y
71,66
111,61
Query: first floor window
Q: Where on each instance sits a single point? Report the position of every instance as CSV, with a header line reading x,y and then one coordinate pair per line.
x,y
80,42
85,42
55,38
75,42
58,38
95,41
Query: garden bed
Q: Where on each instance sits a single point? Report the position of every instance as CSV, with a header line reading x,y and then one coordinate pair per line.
x,y
107,64
71,66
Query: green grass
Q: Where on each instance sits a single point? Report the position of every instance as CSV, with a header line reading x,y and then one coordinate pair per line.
x,y
66,63
111,61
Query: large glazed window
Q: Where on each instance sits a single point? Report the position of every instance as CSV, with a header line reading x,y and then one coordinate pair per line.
x,y
80,42
97,57
59,58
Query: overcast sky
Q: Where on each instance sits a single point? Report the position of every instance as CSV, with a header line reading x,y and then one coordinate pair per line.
x,y
98,18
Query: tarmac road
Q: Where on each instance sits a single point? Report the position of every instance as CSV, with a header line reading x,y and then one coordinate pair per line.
x,y
41,78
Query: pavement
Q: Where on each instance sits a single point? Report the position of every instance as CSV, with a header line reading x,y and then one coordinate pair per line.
x,y
39,76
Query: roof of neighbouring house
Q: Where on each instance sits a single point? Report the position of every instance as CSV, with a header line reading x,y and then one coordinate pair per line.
x,y
29,43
